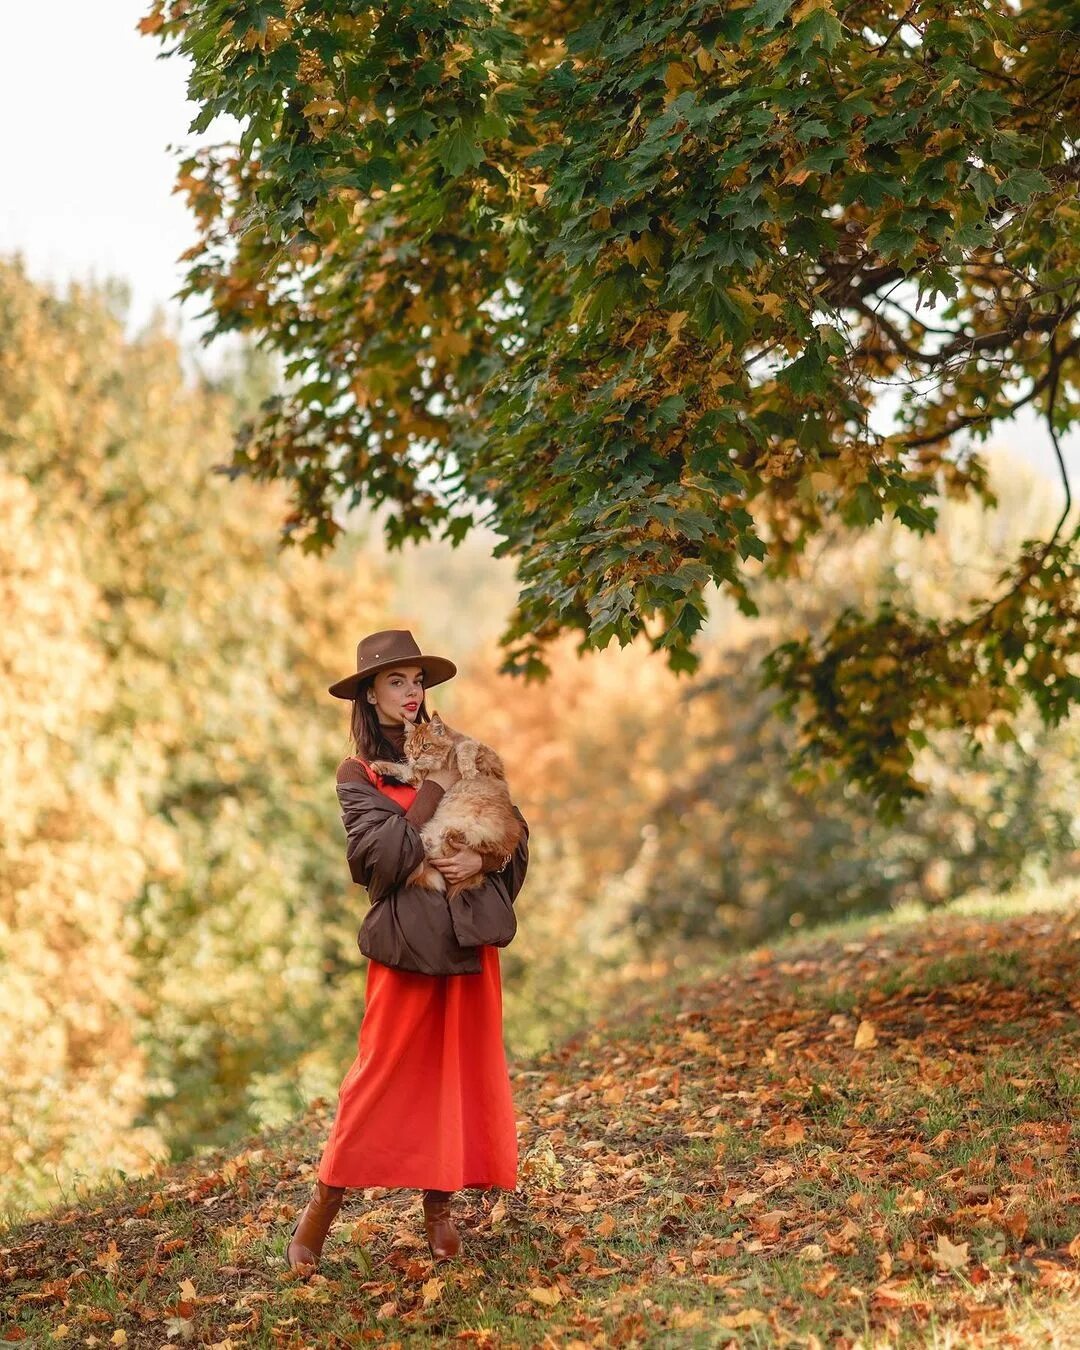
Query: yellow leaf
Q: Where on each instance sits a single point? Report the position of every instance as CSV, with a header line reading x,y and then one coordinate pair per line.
x,y
431,1289
745,1317
950,1256
109,1260
324,107
498,1211
910,1201
650,247
678,76
549,1295
771,304
606,1226
187,1291
865,1036
119,1337
676,321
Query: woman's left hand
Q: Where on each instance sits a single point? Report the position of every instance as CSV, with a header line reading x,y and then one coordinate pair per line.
x,y
456,866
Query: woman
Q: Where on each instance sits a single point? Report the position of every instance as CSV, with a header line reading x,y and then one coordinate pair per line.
x,y
426,1102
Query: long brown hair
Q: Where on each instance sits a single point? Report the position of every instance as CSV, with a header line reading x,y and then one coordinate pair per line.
x,y
365,730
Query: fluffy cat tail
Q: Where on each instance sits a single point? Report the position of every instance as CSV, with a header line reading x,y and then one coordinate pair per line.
x,y
425,874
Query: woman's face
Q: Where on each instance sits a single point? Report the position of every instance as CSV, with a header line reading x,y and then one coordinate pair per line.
x,y
397,693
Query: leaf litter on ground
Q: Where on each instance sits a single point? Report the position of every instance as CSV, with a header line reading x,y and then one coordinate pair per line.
x,y
854,1140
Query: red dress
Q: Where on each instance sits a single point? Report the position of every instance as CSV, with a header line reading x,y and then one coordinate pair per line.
x,y
426,1103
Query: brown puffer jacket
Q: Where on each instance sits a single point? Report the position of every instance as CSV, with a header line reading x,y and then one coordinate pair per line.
x,y
412,927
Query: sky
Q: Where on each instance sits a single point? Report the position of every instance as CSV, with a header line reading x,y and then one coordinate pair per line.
x,y
88,112
87,182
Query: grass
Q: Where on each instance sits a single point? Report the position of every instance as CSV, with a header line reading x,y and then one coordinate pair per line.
x,y
714,1162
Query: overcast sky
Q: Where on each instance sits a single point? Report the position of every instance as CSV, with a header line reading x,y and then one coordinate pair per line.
x,y
88,112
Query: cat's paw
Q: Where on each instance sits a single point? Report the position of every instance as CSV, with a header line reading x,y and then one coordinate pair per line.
x,y
384,767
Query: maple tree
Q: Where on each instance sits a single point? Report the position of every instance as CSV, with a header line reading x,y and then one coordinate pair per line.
x,y
624,281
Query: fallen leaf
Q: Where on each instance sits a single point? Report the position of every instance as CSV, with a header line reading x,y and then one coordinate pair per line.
x,y
890,1293
910,1201
683,1321
819,1286
745,1317
109,1260
1017,1223
785,1135
549,1295
866,1035
950,1256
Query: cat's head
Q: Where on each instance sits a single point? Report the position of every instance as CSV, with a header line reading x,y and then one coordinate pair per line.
x,y
428,745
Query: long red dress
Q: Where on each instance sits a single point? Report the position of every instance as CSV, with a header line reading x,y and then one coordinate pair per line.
x,y
426,1103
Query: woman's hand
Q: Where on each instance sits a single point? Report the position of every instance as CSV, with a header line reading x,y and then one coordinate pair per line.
x,y
456,866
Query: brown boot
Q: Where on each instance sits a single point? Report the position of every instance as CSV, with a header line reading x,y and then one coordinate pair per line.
x,y
442,1236
310,1230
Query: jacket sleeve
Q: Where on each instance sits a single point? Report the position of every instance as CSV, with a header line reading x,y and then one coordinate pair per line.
x,y
382,847
513,874
425,803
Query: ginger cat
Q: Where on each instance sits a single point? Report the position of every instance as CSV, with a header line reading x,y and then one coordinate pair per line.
x,y
474,813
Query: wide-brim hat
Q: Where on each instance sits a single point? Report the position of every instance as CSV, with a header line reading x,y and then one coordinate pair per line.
x,y
391,647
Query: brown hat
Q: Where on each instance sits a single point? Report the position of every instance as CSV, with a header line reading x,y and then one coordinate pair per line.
x,y
392,647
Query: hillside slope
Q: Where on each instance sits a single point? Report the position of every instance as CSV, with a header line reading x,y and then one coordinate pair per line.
x,y
865,1138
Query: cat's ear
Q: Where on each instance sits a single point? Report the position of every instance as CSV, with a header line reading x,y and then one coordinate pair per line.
x,y
436,718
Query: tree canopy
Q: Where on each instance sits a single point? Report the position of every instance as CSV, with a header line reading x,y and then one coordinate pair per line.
x,y
625,281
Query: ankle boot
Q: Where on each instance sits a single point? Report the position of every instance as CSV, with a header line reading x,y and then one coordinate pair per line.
x,y
442,1236
309,1232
